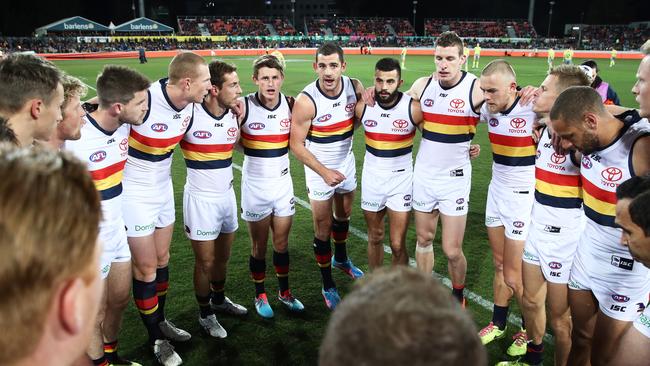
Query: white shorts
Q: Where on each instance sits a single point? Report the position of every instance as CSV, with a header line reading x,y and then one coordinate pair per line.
x,y
146,208
319,191
381,189
642,323
552,248
447,193
263,197
510,208
621,293
115,247
206,218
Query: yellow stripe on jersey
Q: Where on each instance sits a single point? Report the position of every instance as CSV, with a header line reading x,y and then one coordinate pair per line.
x,y
601,207
110,181
388,145
252,144
149,149
200,156
513,151
556,190
449,129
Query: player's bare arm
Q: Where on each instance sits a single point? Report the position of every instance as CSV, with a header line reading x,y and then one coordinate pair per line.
x,y
417,88
303,113
641,156
359,91
416,114
240,119
358,112
477,96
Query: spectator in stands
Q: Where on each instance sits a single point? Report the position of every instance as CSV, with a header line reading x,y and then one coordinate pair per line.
x,y
31,95
49,277
607,93
400,317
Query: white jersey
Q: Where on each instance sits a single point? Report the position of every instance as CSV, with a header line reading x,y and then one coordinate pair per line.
x,y
105,153
513,149
389,135
265,138
207,147
331,130
558,193
449,126
602,171
151,144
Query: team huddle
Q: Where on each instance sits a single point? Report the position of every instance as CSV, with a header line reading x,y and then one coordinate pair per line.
x,y
559,158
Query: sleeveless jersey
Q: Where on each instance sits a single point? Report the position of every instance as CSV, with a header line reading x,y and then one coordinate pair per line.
x,y
389,135
207,147
449,125
265,138
105,153
151,144
330,133
558,195
602,171
513,148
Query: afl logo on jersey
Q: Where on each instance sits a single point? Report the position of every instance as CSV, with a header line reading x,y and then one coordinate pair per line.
x,y
555,265
586,162
349,107
324,118
457,103
256,126
558,159
232,131
518,123
493,122
370,123
620,298
612,174
98,156
202,134
400,123
428,103
285,123
159,127
518,224
124,145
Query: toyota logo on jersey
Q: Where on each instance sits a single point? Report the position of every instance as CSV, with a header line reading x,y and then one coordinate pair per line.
x,y
349,107
324,118
558,159
124,145
457,103
159,127
612,174
428,103
493,122
518,123
232,131
285,123
400,123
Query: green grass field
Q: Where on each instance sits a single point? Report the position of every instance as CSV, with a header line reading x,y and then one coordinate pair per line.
x,y
290,339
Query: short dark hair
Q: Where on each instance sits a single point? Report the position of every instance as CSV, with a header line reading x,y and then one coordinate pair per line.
x,y
24,77
592,64
400,316
449,39
118,84
6,133
574,102
389,64
330,48
637,189
218,71
269,61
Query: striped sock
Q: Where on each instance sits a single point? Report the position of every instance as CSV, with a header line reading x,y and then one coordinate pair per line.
x,y
281,264
340,230
102,361
204,305
162,285
258,274
457,291
217,295
534,354
110,351
146,301
323,251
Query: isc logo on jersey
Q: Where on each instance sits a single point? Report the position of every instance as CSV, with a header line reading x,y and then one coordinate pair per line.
x,y
517,125
159,127
202,134
98,156
456,106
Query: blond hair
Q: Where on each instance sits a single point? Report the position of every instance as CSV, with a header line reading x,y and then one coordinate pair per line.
x,y
184,65
499,66
72,87
49,222
568,76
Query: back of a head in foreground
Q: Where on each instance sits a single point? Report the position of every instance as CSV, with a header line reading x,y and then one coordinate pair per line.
x,y
568,76
24,77
49,219
400,317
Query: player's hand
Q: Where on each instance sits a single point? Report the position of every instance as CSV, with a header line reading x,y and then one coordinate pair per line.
x,y
538,126
556,141
238,108
526,94
332,177
474,151
368,96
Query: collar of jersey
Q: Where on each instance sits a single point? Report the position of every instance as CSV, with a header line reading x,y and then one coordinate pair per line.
x,y
263,106
328,97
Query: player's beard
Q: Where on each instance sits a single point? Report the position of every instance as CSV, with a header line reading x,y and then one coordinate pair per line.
x,y
389,100
590,143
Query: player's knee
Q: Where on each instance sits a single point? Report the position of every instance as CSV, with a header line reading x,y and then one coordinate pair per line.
x,y
118,301
145,270
454,253
561,325
530,302
376,236
206,265
512,279
424,244
279,245
163,259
